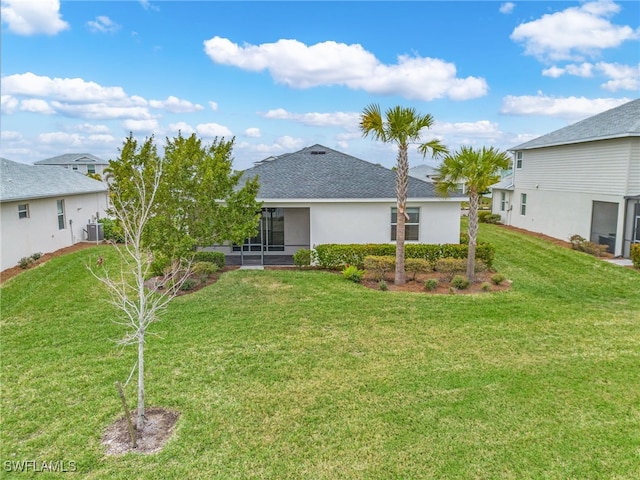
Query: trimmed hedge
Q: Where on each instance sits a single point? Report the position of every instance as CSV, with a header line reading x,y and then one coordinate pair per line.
x,y
336,256
211,257
635,254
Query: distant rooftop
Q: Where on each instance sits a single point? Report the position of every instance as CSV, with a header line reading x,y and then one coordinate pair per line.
x,y
73,158
619,122
318,172
21,181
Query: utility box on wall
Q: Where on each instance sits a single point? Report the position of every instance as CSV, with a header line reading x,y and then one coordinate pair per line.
x,y
95,232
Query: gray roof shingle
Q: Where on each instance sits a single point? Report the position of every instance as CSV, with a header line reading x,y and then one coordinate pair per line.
x,y
618,122
318,172
69,158
20,181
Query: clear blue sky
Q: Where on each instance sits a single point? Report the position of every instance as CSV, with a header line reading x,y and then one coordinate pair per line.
x,y
280,76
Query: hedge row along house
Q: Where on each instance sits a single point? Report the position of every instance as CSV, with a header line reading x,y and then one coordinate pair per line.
x,y
582,179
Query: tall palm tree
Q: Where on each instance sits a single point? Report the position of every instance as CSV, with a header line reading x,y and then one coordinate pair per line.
x,y
401,126
477,169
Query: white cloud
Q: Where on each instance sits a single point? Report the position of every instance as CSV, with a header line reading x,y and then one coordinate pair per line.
x,y
175,105
10,136
348,120
8,104
146,4
297,65
182,127
569,108
214,106
66,89
507,7
29,17
103,24
101,111
479,129
574,33
36,105
211,130
252,132
61,138
621,77
141,126
92,128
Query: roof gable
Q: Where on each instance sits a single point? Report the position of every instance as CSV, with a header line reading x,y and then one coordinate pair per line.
x,y
318,172
618,122
70,158
20,181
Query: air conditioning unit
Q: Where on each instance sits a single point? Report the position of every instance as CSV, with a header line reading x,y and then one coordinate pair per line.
x,y
95,232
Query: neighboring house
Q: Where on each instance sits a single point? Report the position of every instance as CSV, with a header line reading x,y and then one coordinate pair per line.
x,y
582,179
318,195
79,162
430,174
45,208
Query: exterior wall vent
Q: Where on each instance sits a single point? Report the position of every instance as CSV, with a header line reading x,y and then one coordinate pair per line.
x,y
318,152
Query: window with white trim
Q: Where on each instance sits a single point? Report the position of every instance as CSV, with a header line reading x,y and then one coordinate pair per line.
x,y
523,204
61,216
518,159
23,210
411,226
91,169
503,201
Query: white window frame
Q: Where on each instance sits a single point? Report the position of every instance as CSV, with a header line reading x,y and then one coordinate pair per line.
x,y
62,223
518,159
91,169
523,204
23,210
408,223
503,201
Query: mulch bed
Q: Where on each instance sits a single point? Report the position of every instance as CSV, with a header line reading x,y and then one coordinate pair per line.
x,y
158,428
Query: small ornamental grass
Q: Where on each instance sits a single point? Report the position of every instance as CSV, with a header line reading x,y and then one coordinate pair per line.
x,y
430,284
351,272
460,282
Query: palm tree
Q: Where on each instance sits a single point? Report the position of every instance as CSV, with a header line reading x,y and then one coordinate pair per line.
x,y
400,126
477,170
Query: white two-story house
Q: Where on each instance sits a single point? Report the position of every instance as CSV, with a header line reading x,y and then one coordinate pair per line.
x,y
581,179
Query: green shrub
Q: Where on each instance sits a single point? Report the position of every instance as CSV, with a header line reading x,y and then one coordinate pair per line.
x,y
498,278
488,217
382,285
576,241
351,272
414,266
378,267
204,268
460,282
302,258
25,262
450,266
37,256
188,284
211,257
635,254
112,230
464,238
485,287
431,284
159,265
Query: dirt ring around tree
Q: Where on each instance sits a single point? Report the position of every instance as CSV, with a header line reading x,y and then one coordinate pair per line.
x,y
157,431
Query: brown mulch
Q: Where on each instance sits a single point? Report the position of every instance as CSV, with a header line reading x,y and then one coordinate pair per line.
x,y
158,428
14,271
444,287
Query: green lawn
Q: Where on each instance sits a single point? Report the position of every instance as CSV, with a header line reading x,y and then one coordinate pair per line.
x,y
287,374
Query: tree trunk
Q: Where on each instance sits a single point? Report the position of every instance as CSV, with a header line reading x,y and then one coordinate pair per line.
x,y
402,185
473,235
141,418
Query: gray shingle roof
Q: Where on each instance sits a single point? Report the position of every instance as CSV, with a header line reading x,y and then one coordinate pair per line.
x,y
318,172
20,181
69,158
622,121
